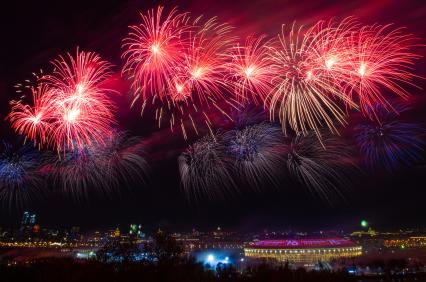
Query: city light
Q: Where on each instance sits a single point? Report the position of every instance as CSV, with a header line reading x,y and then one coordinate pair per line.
x,y
210,258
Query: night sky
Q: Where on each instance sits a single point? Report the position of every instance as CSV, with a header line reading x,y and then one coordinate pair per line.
x,y
35,32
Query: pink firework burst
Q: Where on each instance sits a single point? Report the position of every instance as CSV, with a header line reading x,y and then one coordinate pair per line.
x,y
199,80
153,49
200,76
250,70
382,62
71,107
83,109
177,66
331,52
33,121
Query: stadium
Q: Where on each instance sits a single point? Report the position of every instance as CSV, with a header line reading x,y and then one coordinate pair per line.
x,y
306,251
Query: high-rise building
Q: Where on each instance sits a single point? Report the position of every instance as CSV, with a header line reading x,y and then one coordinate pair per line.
x,y
32,219
25,219
28,222
28,219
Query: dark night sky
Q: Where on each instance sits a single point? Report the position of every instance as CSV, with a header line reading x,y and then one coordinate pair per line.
x,y
34,32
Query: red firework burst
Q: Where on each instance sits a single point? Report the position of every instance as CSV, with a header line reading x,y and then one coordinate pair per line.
x,y
33,122
153,49
199,80
381,61
178,64
71,107
200,76
250,70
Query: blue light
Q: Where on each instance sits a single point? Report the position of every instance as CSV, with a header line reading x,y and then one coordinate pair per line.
x,y
210,258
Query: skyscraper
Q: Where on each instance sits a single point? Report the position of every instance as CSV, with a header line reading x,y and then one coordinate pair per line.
x,y
27,223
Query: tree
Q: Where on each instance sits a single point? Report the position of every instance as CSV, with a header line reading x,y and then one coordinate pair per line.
x,y
118,250
165,249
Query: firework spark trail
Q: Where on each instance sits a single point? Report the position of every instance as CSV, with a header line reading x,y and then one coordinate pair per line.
x,y
204,169
71,107
20,178
389,142
257,153
100,169
317,167
250,72
382,61
152,51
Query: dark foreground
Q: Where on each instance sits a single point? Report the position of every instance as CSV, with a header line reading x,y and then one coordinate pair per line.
x,y
58,269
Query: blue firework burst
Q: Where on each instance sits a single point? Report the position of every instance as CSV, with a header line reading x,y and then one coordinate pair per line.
x,y
388,142
257,152
20,176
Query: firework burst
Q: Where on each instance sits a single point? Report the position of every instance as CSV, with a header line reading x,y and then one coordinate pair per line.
x,y
20,178
176,66
71,107
204,169
199,81
33,121
83,112
389,142
153,49
304,97
381,61
257,152
102,168
316,166
250,70
200,77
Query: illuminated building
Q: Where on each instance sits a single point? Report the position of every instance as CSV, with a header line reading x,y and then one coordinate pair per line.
x,y
28,220
365,233
410,242
307,251
26,230
116,233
